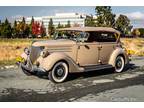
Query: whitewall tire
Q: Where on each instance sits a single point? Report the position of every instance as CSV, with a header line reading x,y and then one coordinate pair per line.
x,y
59,72
119,64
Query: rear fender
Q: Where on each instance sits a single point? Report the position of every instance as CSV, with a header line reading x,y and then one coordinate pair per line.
x,y
117,52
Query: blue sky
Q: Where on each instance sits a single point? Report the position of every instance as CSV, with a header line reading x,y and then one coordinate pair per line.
x,y
135,13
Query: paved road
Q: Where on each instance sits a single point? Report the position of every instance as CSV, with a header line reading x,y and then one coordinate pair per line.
x,y
101,85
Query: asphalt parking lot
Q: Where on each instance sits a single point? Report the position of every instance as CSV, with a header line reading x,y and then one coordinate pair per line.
x,y
103,85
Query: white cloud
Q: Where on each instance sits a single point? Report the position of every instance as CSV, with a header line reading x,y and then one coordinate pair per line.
x,y
136,15
137,18
133,15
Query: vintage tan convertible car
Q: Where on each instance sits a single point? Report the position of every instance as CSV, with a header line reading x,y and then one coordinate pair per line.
x,y
75,49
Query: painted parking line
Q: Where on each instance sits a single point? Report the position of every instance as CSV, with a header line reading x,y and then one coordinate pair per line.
x,y
126,76
101,81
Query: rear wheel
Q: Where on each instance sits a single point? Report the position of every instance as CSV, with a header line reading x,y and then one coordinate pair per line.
x,y
119,64
59,72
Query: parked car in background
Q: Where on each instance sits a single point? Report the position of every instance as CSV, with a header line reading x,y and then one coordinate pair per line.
x,y
75,49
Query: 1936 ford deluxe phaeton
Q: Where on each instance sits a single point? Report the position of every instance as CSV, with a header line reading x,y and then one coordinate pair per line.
x,y
75,49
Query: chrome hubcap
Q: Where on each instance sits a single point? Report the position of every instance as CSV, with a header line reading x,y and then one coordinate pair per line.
x,y
118,63
59,72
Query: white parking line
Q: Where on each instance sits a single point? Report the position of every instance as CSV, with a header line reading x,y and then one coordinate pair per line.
x,y
126,76
102,81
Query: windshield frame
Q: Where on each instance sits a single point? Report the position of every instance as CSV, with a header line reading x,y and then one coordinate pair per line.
x,y
76,38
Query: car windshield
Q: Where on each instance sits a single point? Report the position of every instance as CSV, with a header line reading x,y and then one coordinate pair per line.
x,y
72,35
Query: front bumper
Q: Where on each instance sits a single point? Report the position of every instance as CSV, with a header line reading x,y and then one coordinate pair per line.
x,y
27,66
30,71
27,61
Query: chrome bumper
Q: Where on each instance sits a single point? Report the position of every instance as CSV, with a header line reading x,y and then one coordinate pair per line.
x,y
30,71
28,67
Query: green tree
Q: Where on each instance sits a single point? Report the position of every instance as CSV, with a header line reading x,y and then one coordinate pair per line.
x,y
43,30
27,31
60,25
32,20
0,27
30,26
137,32
23,29
6,22
141,30
89,21
123,24
14,30
51,28
68,24
105,17
6,30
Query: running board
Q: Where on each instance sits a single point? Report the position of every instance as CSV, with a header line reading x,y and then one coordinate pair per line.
x,y
96,67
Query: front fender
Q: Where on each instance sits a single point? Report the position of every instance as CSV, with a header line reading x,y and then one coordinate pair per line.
x,y
48,62
116,52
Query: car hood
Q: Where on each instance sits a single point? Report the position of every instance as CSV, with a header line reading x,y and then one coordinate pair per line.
x,y
60,45
59,42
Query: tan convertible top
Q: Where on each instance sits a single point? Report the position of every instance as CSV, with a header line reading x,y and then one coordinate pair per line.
x,y
87,29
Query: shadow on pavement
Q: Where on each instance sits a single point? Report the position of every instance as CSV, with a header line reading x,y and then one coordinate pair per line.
x,y
131,66
83,75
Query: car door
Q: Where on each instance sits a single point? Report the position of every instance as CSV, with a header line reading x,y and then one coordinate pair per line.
x,y
88,54
107,46
88,51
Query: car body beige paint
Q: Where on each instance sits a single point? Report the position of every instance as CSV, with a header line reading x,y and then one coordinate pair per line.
x,y
78,54
48,62
115,53
87,54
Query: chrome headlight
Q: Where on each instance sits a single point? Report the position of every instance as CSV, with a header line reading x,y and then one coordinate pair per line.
x,y
26,51
44,54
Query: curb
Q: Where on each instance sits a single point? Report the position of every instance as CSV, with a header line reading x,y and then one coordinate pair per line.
x,y
8,67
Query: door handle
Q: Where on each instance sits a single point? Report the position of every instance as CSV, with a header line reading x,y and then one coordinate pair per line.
x,y
100,47
86,46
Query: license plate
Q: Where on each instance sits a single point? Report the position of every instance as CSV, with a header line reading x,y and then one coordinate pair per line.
x,y
20,59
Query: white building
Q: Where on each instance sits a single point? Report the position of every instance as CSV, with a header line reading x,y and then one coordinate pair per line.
x,y
62,18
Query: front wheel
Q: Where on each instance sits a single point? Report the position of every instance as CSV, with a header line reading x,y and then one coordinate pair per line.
x,y
119,64
59,72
